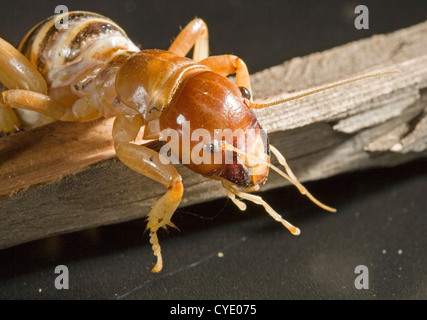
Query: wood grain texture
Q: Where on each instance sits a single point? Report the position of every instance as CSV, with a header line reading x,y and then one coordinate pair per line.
x,y
64,177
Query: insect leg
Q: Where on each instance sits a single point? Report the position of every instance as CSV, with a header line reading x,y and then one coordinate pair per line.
x,y
229,64
16,72
34,101
194,34
9,122
148,163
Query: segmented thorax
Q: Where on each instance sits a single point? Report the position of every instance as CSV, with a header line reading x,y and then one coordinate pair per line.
x,y
150,79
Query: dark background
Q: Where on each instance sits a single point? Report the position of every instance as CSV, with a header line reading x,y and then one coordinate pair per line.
x,y
381,218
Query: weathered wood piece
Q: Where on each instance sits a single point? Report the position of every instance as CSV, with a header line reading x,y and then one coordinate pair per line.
x,y
64,177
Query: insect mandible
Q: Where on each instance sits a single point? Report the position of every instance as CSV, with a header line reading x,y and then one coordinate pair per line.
x,y
92,69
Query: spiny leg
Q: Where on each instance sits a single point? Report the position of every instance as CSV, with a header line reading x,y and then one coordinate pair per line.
x,y
149,163
230,64
194,34
34,101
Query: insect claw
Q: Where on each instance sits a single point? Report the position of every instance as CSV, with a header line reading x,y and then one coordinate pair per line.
x,y
169,224
173,225
158,266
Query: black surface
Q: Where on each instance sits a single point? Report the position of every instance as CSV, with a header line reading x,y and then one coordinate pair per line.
x,y
381,218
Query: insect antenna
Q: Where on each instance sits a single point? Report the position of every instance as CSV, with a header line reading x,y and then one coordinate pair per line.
x,y
338,84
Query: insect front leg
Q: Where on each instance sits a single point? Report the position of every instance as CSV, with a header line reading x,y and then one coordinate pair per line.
x,y
194,34
16,72
230,64
147,162
34,101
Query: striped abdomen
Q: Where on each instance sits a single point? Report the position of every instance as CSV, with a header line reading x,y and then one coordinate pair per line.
x,y
84,40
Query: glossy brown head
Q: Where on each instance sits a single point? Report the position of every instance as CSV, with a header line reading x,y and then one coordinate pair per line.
x,y
219,135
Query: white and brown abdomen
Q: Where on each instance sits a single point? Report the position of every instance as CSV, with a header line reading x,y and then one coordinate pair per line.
x,y
78,60
83,38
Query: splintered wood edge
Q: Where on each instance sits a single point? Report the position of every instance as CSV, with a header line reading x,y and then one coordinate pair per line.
x,y
65,176
46,154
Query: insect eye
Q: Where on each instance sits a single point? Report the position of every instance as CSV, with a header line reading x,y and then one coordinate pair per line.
x,y
245,93
212,147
